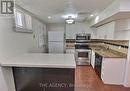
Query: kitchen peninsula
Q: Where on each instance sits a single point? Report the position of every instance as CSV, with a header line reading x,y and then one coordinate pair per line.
x,y
40,72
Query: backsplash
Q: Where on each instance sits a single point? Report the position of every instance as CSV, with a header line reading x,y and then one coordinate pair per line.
x,y
115,45
70,43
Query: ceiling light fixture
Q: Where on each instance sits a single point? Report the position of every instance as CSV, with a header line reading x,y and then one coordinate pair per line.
x,y
49,17
70,21
91,15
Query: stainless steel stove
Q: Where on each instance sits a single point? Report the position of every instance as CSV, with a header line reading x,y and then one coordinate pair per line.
x,y
82,50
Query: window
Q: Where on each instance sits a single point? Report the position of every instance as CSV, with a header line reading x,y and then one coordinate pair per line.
x,y
23,21
19,19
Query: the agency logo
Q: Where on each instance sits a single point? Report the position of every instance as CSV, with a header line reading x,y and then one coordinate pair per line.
x,y
7,7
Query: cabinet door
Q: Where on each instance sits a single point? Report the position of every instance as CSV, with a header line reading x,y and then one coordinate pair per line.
x,y
93,59
113,70
70,51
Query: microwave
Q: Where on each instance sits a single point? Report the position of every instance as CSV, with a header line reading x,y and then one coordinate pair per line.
x,y
83,36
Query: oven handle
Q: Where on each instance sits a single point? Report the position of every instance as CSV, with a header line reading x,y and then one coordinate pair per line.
x,y
82,50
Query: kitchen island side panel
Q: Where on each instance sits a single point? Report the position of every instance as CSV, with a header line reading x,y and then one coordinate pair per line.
x,y
44,79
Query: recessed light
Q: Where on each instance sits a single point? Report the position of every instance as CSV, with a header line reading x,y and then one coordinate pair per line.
x,y
91,15
49,17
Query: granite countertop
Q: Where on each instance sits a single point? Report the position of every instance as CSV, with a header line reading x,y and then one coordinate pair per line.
x,y
70,45
108,53
41,60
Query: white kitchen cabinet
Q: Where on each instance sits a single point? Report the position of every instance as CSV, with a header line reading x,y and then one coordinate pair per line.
x,y
78,27
93,59
70,51
113,70
106,31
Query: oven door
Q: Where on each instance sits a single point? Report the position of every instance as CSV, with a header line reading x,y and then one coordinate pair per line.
x,y
82,54
78,47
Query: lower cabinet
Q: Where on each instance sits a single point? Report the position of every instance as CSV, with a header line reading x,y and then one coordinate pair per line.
x,y
113,70
70,51
110,70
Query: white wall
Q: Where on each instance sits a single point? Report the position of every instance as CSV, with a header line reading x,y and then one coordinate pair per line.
x,y
39,43
12,43
106,31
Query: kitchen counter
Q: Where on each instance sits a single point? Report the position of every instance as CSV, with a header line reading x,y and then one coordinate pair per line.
x,y
30,72
108,53
41,60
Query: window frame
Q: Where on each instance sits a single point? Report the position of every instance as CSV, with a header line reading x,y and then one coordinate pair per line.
x,y
23,28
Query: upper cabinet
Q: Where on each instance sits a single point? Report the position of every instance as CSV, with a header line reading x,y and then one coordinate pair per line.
x,y
79,27
23,21
118,30
119,9
123,24
122,29
106,31
114,21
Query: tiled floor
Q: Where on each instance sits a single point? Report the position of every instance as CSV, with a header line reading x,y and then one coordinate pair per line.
x,y
87,80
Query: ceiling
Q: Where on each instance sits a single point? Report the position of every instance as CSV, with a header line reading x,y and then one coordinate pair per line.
x,y
55,8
